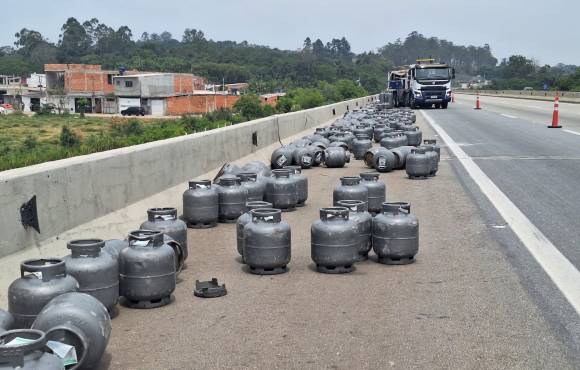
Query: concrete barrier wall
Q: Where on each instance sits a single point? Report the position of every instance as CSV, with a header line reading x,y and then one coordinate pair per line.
x,y
73,191
565,96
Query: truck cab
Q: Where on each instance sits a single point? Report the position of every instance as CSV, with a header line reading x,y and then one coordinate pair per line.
x,y
422,85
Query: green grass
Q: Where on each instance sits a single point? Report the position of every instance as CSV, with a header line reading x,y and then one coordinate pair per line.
x,y
28,140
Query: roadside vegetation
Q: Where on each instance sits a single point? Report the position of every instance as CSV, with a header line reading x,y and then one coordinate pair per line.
x,y
27,140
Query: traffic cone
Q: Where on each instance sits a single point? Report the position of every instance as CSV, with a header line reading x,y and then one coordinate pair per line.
x,y
556,114
477,103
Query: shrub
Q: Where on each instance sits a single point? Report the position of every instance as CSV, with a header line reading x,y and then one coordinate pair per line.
x,y
29,143
126,128
249,107
69,138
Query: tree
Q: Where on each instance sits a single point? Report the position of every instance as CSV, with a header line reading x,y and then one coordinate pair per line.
x,y
307,45
318,48
192,35
74,41
83,104
249,106
28,39
517,66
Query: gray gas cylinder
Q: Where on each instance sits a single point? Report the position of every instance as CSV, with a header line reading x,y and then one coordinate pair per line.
x,y
282,157
336,157
255,186
147,270
396,234
79,320
334,241
377,190
301,184
282,190
364,221
360,145
433,158
243,220
303,157
418,164
200,205
401,156
267,247
350,188
96,271
414,136
40,281
166,221
31,355
232,199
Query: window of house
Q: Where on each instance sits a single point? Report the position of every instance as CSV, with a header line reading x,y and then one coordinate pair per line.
x,y
118,82
128,83
110,79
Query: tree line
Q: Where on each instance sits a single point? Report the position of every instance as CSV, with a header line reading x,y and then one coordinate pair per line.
x,y
269,69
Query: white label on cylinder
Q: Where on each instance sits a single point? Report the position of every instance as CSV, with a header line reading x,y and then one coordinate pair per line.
x,y
281,160
382,162
201,186
268,218
306,159
167,217
140,243
38,274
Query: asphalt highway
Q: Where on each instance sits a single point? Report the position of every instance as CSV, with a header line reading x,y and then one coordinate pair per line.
x,y
467,303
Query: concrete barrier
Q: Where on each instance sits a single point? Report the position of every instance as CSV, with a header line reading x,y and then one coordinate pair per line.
x,y
565,96
76,190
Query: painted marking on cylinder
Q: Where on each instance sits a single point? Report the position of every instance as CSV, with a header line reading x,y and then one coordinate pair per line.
x,y
572,132
560,270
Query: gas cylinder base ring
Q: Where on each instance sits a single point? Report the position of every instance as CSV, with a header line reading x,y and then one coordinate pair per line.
x,y
303,204
271,271
362,257
228,220
202,225
147,304
289,209
335,269
400,261
418,177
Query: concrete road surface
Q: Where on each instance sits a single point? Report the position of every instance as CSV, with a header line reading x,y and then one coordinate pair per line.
x,y
467,303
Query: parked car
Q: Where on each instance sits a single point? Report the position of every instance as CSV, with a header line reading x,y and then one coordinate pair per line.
x,y
133,111
4,111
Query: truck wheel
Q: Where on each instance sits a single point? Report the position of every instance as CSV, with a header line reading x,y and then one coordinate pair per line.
x,y
437,106
444,105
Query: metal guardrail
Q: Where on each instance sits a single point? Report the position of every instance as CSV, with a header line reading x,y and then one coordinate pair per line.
x,y
565,96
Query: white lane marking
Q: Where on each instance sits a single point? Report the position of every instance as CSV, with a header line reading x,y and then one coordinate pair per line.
x,y
535,107
508,116
572,132
562,272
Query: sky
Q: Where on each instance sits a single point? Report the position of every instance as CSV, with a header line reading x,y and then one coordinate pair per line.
x,y
545,31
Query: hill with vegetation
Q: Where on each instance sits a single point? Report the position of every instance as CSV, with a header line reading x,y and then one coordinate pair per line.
x,y
268,69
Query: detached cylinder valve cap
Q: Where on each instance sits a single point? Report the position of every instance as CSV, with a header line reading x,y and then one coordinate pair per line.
x,y
209,289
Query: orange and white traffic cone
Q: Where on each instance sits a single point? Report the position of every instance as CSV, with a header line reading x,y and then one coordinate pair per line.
x,y
477,103
556,114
